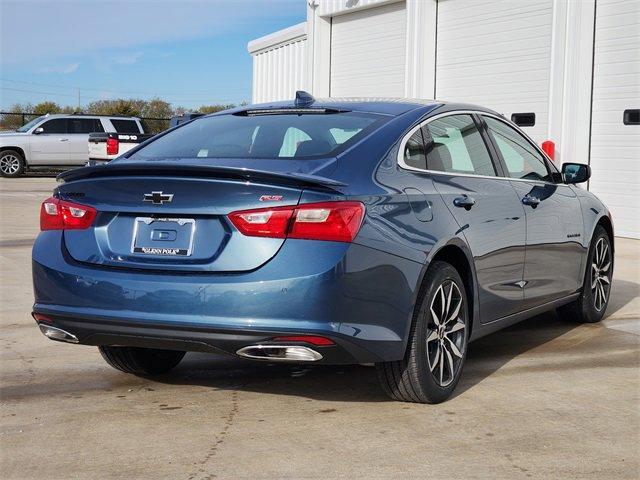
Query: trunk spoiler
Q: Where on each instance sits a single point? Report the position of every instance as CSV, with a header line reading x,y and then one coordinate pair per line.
x,y
151,168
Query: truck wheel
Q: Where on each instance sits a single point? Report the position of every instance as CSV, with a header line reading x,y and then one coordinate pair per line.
x,y
592,303
141,361
437,345
11,163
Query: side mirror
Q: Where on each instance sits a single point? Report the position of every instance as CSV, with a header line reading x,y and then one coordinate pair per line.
x,y
38,131
575,172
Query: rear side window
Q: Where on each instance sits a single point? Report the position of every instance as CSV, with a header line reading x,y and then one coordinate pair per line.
x,y
125,126
414,151
454,145
275,135
84,125
522,160
57,125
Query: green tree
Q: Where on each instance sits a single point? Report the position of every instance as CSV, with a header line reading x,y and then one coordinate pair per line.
x,y
156,109
14,118
46,107
214,108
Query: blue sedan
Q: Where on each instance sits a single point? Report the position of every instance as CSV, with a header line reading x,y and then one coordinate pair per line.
x,y
321,232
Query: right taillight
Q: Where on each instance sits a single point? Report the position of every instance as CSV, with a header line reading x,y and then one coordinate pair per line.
x,y
113,145
56,214
331,221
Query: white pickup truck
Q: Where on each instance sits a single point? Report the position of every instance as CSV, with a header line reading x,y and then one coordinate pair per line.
x,y
57,141
104,147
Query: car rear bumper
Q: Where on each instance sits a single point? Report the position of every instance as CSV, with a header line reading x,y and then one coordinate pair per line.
x,y
356,296
133,333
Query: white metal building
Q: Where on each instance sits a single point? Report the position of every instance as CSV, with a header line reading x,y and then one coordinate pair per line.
x,y
574,63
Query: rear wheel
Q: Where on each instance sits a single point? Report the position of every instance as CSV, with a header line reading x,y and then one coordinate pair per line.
x,y
141,361
592,303
11,163
437,345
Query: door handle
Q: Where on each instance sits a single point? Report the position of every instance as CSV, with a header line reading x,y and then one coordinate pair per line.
x,y
464,201
533,202
64,139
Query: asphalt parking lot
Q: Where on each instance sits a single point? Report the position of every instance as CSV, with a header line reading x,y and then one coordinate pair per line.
x,y
543,399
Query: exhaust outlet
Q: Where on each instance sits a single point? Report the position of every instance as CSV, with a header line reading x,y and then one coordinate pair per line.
x,y
58,334
284,353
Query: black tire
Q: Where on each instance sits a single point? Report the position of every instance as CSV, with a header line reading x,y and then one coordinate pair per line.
x,y
141,361
590,307
11,164
417,377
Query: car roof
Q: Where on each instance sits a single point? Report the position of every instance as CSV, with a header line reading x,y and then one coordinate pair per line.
x,y
379,105
83,115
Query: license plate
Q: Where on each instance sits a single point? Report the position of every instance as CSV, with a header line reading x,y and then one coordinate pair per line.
x,y
163,236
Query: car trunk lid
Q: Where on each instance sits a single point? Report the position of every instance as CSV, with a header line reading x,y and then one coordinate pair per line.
x,y
156,217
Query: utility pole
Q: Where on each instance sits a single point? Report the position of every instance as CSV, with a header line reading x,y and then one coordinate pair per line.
x,y
79,107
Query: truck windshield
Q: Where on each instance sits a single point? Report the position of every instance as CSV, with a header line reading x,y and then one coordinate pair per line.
x,y
276,135
27,126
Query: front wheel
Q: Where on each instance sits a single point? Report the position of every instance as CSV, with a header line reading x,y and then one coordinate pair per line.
x,y
141,361
592,303
437,345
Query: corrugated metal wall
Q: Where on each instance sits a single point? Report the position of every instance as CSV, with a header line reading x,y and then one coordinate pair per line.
x,y
496,54
278,72
329,8
368,52
615,147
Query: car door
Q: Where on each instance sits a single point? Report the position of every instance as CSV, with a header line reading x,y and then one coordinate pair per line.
x,y
554,251
51,146
78,131
485,206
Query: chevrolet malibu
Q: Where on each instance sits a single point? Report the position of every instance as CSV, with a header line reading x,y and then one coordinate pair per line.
x,y
321,232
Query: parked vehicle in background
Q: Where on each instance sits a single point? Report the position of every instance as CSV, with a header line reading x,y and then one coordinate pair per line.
x,y
57,141
105,146
183,118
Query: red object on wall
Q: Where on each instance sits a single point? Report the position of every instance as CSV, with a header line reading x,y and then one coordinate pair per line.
x,y
549,148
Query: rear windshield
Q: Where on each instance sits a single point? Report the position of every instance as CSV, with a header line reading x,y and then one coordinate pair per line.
x,y
282,135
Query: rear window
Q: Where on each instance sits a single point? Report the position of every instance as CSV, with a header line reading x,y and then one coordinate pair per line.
x,y
125,126
282,135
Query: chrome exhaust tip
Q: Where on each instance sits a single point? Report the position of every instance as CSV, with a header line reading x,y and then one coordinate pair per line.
x,y
58,334
283,353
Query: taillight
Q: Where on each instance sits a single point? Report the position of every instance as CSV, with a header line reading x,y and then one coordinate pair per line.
x,y
113,145
332,221
312,339
58,214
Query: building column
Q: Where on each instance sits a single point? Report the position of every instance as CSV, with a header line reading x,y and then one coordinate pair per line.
x,y
420,68
571,79
318,50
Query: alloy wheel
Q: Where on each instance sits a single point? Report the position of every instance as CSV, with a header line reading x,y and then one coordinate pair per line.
x,y
446,334
9,164
600,274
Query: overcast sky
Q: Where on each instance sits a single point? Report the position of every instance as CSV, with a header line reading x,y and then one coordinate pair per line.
x,y
189,52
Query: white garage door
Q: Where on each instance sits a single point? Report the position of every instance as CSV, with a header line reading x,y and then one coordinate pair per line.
x,y
368,52
615,147
496,54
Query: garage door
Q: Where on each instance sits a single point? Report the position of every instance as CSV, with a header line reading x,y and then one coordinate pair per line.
x,y
615,147
368,52
496,54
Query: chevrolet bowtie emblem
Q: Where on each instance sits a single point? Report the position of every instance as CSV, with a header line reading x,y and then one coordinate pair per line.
x,y
158,198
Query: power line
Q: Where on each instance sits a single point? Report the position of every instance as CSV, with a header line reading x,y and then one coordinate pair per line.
x,y
119,92
203,100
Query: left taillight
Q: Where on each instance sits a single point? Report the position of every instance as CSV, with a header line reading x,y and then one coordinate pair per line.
x,y
113,145
330,221
56,214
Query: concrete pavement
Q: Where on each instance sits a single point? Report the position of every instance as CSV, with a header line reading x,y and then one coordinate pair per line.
x,y
543,399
